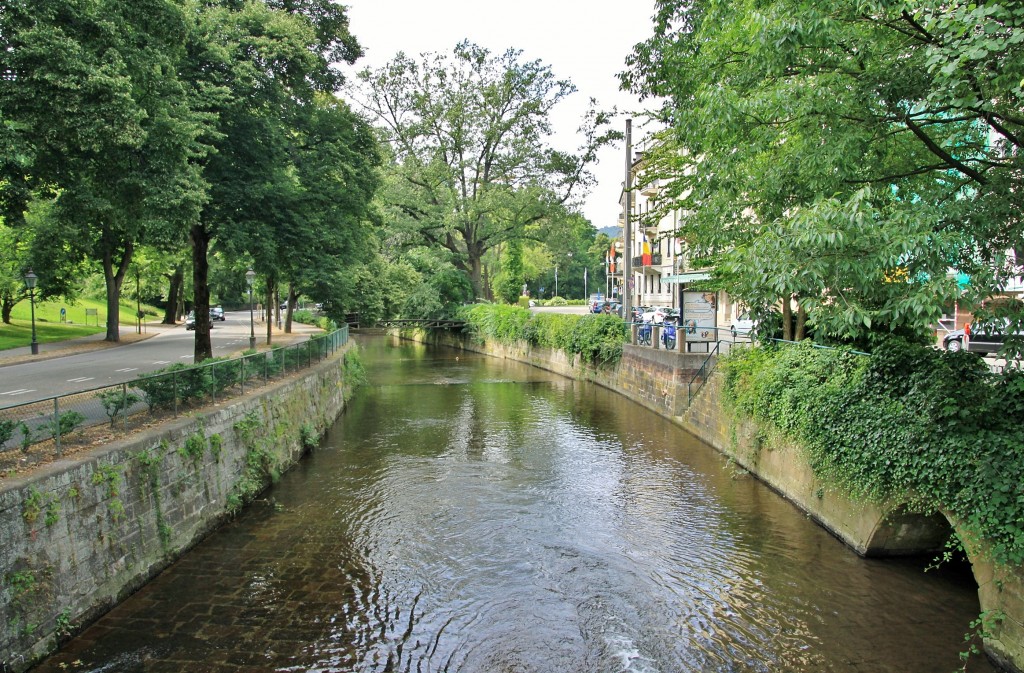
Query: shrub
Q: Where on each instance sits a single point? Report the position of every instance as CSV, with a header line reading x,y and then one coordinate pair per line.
x,y
598,338
907,420
116,401
595,338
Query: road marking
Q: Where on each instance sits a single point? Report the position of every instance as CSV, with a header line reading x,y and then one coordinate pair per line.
x,y
185,357
81,379
19,391
126,369
162,362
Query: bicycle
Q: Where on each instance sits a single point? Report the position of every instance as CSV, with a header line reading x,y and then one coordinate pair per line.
x,y
668,335
643,335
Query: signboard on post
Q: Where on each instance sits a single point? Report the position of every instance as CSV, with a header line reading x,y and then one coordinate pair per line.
x,y
699,316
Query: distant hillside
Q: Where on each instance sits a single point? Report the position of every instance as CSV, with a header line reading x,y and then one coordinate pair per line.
x,y
611,232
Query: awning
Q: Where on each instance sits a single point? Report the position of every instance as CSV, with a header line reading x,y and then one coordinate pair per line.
x,y
691,277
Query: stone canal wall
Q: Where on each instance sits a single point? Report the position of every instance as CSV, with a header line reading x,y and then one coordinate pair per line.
x,y
85,532
660,381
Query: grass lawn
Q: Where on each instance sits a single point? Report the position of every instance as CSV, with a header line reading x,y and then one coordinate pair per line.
x,y
49,328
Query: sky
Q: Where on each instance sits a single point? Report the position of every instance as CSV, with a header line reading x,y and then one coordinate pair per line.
x,y
584,41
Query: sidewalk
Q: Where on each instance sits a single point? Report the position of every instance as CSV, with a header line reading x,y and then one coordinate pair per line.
x,y
128,335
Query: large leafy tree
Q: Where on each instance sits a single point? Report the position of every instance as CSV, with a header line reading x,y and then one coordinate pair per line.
x,y
843,154
94,114
472,167
266,207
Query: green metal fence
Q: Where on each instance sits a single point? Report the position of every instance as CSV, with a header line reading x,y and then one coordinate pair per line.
x,y
49,425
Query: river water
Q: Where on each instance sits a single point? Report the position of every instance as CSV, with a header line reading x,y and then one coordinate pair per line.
x,y
475,515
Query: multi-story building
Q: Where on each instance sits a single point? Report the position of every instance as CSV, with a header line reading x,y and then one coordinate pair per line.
x,y
662,273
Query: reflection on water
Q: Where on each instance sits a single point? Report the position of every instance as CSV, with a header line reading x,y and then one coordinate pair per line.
x,y
470,514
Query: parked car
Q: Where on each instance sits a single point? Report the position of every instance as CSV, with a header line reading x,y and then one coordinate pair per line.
x,y
954,341
217,313
190,321
656,314
984,341
638,312
743,325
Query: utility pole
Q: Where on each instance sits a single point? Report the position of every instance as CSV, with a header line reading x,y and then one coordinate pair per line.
x,y
627,235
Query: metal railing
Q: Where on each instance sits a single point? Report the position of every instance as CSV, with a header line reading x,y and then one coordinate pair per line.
x,y
50,424
702,374
651,335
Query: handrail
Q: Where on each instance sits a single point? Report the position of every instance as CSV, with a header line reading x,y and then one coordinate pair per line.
x,y
421,322
703,373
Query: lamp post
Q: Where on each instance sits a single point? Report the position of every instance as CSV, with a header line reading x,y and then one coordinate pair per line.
x,y
569,264
250,276
30,282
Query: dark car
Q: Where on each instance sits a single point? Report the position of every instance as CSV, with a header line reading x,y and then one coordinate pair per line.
x,y
954,341
217,313
190,321
985,340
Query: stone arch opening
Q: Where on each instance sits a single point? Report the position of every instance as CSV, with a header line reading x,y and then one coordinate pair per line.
x,y
905,533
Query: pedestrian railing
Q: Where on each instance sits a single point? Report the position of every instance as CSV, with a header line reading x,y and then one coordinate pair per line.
x,y
50,425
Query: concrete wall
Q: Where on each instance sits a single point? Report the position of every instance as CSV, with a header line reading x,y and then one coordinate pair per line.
x,y
658,380
87,531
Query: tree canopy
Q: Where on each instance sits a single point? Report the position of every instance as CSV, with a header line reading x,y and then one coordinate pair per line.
x,y
471,164
849,155
174,123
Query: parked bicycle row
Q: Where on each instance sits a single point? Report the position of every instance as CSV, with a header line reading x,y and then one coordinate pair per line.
x,y
689,336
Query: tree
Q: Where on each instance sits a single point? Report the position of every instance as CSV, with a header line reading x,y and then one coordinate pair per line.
x,y
95,116
842,155
471,166
274,60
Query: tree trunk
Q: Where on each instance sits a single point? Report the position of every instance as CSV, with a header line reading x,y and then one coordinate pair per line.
x,y
476,276
787,319
200,238
271,307
288,311
7,303
801,323
113,279
174,292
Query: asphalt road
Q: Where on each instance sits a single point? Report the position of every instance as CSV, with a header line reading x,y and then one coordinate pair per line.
x,y
30,381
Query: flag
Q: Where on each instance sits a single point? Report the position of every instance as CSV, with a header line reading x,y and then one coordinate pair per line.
x,y
646,253
611,260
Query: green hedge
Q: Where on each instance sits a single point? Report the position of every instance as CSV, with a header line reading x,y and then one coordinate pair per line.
x,y
594,338
907,421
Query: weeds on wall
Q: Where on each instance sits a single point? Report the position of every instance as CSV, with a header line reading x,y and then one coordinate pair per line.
x,y
355,372
907,419
261,465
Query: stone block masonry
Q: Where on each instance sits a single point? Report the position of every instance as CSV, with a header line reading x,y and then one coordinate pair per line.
x,y
81,534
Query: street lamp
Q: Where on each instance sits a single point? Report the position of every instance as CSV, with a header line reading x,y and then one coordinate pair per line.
x,y
250,276
30,282
569,254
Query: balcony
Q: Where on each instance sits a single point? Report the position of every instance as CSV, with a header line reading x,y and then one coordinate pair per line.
x,y
649,268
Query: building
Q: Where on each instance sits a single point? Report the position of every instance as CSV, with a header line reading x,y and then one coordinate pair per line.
x,y
662,273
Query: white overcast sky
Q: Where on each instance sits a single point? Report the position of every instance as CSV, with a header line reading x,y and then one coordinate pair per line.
x,y
585,41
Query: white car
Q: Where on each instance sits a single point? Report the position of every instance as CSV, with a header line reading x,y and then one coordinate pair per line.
x,y
656,314
742,325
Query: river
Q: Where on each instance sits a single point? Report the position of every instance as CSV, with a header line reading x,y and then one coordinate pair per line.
x,y
476,515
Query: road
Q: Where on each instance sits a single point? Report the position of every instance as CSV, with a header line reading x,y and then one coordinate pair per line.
x,y
30,381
